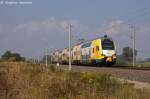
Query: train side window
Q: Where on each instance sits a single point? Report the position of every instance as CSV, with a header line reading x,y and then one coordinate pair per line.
x,y
97,48
93,50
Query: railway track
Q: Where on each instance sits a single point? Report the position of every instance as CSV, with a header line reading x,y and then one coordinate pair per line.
x,y
131,67
135,74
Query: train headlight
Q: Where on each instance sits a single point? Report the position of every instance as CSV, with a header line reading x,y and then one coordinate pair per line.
x,y
109,59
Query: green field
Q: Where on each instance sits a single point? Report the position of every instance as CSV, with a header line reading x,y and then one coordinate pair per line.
x,y
29,81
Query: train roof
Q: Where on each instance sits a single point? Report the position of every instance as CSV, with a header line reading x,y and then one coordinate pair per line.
x,y
88,41
104,37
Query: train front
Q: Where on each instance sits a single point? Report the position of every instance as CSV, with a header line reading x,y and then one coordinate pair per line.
x,y
108,50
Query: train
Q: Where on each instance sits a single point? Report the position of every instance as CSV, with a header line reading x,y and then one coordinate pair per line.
x,y
99,51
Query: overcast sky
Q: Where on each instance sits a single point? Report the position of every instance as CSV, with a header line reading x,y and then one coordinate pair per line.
x,y
30,28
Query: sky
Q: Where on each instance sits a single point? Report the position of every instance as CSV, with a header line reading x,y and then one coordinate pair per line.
x,y
35,25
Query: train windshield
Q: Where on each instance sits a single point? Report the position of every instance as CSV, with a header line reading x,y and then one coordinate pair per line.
x,y
107,44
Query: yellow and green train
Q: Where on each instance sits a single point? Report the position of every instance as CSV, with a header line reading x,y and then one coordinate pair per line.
x,y
99,51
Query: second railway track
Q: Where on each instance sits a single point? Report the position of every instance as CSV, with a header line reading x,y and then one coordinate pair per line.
x,y
135,74
133,68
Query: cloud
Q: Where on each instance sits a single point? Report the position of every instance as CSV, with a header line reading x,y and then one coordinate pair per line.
x,y
115,27
47,30
33,36
119,27
36,26
45,25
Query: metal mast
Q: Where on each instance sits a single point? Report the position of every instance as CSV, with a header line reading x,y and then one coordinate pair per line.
x,y
133,42
70,46
134,46
46,51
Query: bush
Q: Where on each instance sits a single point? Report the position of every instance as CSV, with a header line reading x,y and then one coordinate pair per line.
x,y
52,68
121,62
39,82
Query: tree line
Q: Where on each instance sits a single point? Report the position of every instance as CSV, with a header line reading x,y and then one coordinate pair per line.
x,y
14,57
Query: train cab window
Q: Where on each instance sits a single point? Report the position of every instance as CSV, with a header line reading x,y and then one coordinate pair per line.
x,y
107,44
97,48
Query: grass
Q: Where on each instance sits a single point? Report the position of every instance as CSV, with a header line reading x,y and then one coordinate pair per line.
x,y
30,81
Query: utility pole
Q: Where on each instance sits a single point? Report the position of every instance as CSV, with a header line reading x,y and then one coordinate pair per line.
x,y
134,46
70,46
133,40
46,51
51,58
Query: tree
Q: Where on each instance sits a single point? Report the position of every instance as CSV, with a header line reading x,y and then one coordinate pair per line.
x,y
6,55
9,56
128,53
120,61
